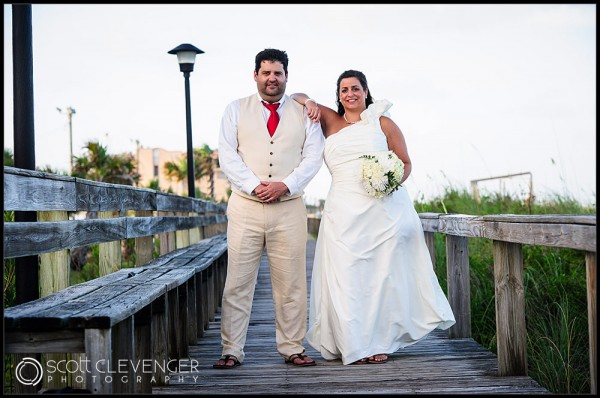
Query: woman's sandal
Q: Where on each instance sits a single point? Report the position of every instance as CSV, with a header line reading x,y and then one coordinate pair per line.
x,y
292,358
373,359
225,359
363,361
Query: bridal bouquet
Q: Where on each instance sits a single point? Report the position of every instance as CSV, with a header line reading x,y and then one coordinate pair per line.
x,y
381,173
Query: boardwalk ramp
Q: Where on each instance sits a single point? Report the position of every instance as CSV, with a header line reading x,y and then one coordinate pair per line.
x,y
435,365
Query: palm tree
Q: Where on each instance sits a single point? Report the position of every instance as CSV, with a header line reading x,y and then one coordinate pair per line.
x,y
176,170
99,165
203,166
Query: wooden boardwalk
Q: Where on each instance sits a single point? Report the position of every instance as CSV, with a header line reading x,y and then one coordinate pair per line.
x,y
436,365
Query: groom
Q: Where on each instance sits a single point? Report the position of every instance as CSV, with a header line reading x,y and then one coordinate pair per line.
x,y
269,150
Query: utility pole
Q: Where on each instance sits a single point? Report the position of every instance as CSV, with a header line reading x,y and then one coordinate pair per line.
x,y
70,112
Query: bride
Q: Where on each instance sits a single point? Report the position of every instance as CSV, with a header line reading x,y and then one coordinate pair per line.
x,y
373,289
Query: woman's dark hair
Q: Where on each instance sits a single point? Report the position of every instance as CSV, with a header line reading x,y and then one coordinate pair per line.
x,y
362,79
271,54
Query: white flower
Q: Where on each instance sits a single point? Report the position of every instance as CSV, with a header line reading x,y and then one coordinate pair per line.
x,y
381,173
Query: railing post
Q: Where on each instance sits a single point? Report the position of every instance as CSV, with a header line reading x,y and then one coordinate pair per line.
x,y
511,333
109,252
430,242
194,233
167,239
54,276
182,237
144,246
459,286
590,276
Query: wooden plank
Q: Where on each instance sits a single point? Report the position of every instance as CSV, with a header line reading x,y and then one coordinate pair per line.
x,y
115,307
37,191
43,342
137,227
543,218
170,202
26,239
575,236
461,225
32,308
430,221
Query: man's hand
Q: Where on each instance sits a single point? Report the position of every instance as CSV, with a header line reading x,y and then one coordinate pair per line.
x,y
271,191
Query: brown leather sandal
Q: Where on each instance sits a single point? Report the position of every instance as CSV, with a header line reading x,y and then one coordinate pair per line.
x,y
225,359
291,360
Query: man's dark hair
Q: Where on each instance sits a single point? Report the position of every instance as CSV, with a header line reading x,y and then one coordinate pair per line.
x,y
362,79
271,54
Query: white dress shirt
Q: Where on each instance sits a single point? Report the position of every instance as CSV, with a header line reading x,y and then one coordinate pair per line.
x,y
242,177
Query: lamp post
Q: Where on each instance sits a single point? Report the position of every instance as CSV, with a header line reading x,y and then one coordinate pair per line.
x,y
186,55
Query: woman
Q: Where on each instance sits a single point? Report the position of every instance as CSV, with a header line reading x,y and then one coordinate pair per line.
x,y
373,287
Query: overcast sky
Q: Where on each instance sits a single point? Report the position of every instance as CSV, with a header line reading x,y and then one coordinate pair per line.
x,y
479,91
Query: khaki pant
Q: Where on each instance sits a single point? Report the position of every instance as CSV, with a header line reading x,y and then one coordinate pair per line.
x,y
281,228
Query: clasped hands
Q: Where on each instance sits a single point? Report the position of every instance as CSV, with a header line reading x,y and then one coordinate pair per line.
x,y
270,191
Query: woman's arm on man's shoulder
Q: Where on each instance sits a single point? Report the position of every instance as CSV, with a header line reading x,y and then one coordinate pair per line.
x,y
316,111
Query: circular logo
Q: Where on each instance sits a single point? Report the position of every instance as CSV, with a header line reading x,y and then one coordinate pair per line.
x,y
23,372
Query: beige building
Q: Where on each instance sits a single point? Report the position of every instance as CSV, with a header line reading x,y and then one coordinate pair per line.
x,y
151,166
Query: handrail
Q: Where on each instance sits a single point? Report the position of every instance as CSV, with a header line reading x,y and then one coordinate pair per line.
x,y
509,232
50,194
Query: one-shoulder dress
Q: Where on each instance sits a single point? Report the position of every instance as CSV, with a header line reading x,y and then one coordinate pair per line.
x,y
373,288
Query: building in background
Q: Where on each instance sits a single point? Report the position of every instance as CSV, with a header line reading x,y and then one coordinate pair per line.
x,y
151,166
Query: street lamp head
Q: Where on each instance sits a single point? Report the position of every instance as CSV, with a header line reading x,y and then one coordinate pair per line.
x,y
186,55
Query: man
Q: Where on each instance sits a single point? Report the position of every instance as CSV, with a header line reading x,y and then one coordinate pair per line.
x,y
269,149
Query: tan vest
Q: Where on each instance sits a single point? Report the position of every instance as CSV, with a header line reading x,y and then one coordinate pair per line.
x,y
270,158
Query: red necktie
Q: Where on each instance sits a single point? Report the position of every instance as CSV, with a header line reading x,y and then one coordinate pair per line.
x,y
273,119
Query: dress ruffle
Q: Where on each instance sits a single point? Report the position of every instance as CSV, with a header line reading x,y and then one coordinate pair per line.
x,y
376,110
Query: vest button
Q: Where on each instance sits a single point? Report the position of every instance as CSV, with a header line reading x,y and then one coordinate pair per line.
x,y
271,153
269,175
270,164
271,142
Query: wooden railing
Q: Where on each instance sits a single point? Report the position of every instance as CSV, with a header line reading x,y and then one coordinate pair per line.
x,y
123,212
187,281
180,221
508,233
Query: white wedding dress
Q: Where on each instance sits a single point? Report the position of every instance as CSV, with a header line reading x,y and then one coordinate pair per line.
x,y
373,286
